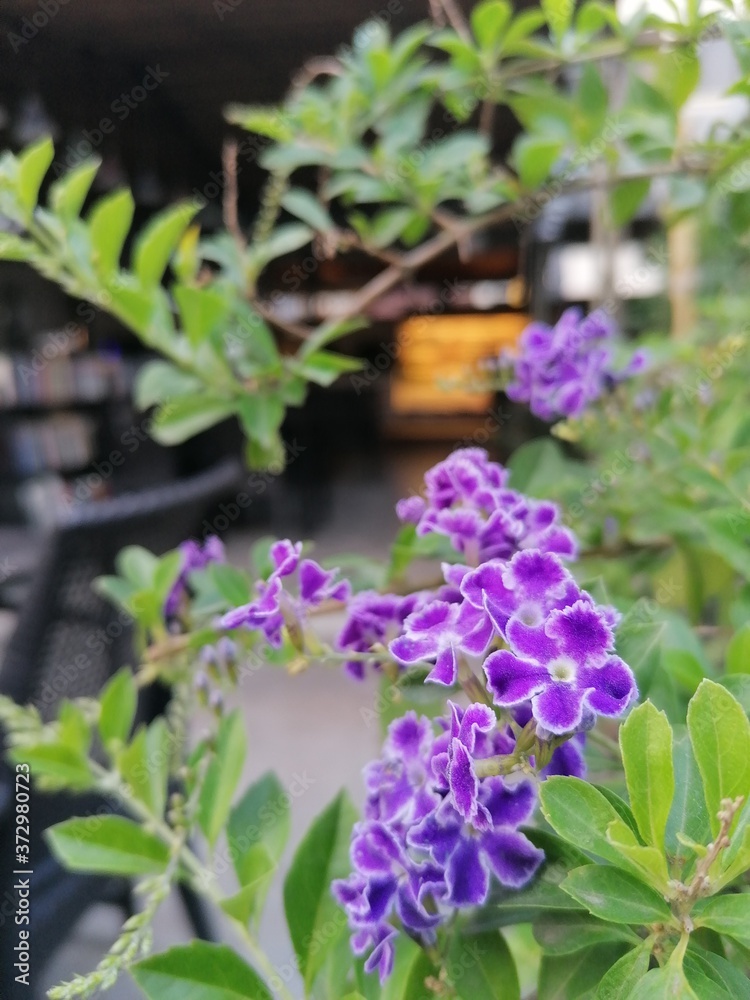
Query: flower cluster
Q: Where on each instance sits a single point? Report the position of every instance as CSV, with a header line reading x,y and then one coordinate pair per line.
x,y
422,849
277,606
467,499
560,369
559,653
194,557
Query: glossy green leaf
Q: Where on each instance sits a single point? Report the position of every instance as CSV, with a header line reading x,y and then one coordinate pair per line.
x,y
54,766
109,223
489,20
257,833
534,156
144,765
728,914
232,583
688,815
202,311
626,198
33,164
646,743
199,971
612,894
481,967
738,652
619,981
570,977
68,194
564,933
158,381
706,971
310,909
16,248
579,814
222,776
306,207
184,417
668,983
118,702
720,736
137,565
159,240
261,414
107,844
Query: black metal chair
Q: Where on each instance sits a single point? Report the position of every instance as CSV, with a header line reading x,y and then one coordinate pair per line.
x,y
68,642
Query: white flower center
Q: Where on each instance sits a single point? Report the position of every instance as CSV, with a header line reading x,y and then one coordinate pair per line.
x,y
563,669
530,614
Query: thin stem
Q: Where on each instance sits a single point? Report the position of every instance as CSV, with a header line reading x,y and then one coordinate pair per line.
x,y
230,194
605,742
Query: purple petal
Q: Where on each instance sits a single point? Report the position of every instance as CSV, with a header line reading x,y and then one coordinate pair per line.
x,y
466,877
512,680
312,579
508,805
567,760
511,856
530,640
581,632
412,650
445,670
476,719
410,509
613,686
462,781
559,707
285,556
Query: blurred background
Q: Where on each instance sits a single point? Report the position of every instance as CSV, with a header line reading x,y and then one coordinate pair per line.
x,y
142,85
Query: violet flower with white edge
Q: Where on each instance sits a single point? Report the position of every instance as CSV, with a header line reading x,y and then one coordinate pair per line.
x,y
559,370
276,606
566,667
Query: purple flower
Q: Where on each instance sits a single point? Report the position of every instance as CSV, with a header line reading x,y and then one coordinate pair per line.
x,y
276,606
194,557
415,857
373,619
560,370
467,500
439,632
565,666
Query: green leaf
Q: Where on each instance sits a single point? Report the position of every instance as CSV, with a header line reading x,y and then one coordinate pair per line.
x,y
534,156
267,121
720,736
646,742
109,223
107,844
222,775
729,982
159,240
55,766
257,833
488,22
559,14
17,248
619,981
569,977
232,583
202,311
738,652
306,207
580,814
261,414
688,815
33,164
481,967
668,983
184,417
626,199
137,565
68,194
310,909
728,914
284,240
118,702
324,367
612,894
199,971
247,904
565,933
158,381
144,765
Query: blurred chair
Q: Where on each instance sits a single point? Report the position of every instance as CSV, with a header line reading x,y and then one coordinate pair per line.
x,y
68,642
